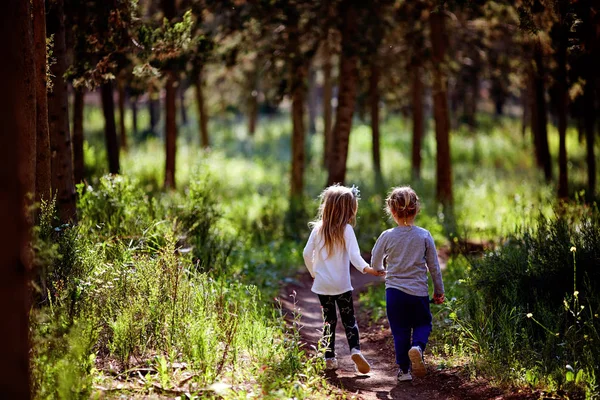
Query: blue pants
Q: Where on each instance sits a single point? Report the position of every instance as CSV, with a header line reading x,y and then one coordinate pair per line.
x,y
408,316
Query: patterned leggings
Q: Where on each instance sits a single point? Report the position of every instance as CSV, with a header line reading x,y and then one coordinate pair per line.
x,y
344,303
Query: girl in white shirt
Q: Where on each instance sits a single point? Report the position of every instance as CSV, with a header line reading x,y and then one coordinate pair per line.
x,y
331,247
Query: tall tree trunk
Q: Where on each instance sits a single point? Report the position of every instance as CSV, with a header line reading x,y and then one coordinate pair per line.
x,y
561,60
471,99
348,78
133,102
589,121
17,124
526,105
312,101
171,130
58,118
122,130
110,128
539,114
327,108
297,71
154,109
252,112
374,105
417,117
202,116
43,181
440,109
78,161
182,107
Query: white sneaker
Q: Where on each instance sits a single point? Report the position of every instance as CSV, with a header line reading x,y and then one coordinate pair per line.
x,y
404,376
417,364
331,364
361,364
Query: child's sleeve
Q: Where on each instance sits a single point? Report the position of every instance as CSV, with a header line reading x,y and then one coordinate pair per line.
x,y
353,250
308,253
378,253
433,265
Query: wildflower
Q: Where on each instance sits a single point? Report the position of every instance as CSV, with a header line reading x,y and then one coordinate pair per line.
x,y
573,249
576,293
570,368
529,315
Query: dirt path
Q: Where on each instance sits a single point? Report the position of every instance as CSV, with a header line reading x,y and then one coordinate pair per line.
x,y
378,348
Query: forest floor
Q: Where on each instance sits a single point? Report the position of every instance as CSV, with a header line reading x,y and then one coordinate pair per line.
x,y
378,348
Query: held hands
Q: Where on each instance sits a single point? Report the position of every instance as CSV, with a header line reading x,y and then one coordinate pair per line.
x,y
374,272
439,298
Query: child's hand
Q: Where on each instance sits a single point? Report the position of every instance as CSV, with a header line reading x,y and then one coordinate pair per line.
x,y
374,272
439,298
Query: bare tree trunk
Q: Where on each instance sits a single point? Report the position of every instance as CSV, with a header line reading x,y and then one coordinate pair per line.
x,y
110,128
58,119
182,107
154,109
43,182
540,113
171,131
78,161
526,104
122,130
18,127
133,102
589,120
327,108
374,100
417,117
202,116
312,101
561,60
440,109
347,94
297,70
252,112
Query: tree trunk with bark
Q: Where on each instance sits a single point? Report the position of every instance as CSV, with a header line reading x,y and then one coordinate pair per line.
x,y
78,161
153,110
589,122
58,119
374,98
312,101
110,128
348,78
133,103
327,107
202,116
539,113
18,127
562,98
417,119
297,71
121,100
181,92
43,174
440,109
252,112
171,130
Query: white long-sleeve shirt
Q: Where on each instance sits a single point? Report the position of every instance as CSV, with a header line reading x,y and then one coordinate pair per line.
x,y
331,272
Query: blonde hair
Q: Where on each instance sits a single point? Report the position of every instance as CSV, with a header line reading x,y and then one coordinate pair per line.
x,y
403,203
338,207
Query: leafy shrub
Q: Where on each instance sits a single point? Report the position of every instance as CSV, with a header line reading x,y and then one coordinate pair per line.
x,y
539,294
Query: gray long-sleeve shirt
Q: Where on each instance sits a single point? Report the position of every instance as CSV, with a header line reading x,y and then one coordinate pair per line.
x,y
409,252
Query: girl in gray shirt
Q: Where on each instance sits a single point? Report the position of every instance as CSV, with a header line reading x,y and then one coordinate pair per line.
x,y
409,252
